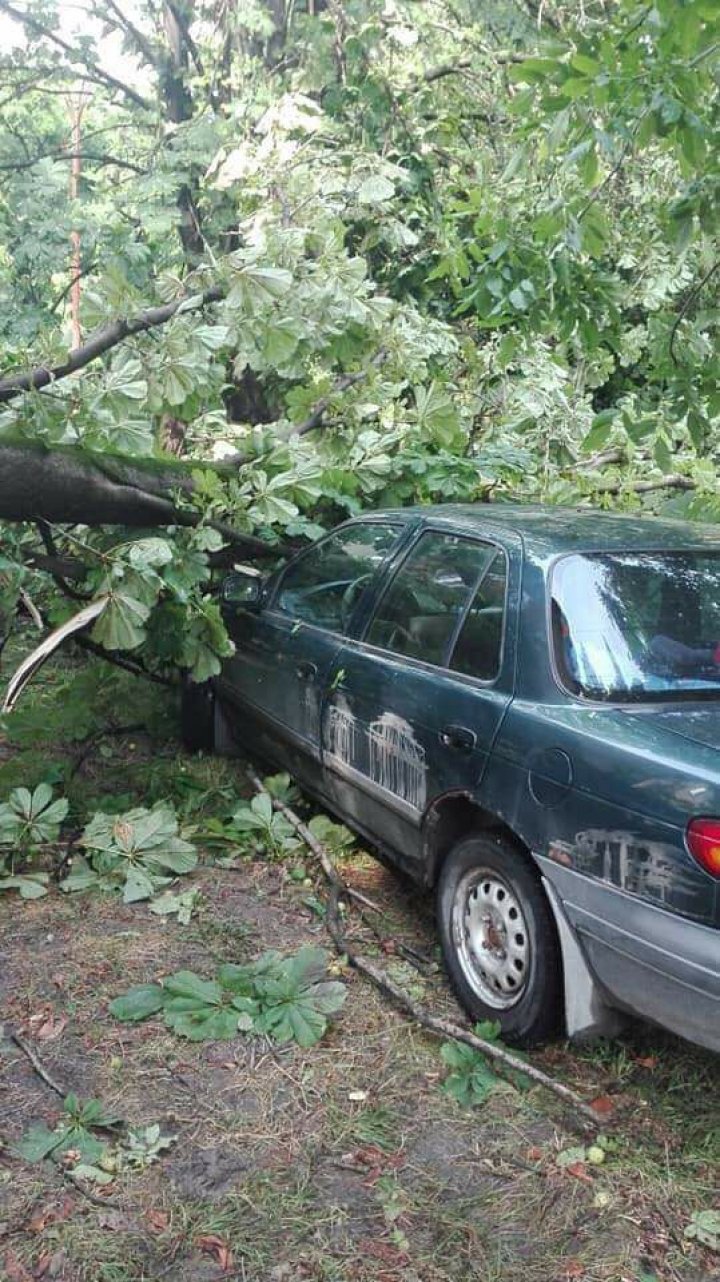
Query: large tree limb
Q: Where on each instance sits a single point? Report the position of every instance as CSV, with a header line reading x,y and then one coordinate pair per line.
x,y
102,341
64,486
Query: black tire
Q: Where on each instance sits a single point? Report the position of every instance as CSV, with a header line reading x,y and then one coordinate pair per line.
x,y
513,975
197,716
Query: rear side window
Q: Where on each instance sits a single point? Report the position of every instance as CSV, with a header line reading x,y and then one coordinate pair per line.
x,y
478,649
324,585
420,611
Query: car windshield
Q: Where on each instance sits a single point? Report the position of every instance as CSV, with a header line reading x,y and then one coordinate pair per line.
x,y
638,625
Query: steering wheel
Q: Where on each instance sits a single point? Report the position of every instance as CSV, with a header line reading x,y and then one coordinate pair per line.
x,y
350,596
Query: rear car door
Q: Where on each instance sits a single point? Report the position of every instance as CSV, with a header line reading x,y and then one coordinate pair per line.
x,y
417,703
284,653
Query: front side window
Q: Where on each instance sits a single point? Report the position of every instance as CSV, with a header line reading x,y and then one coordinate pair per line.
x,y
325,584
638,625
421,609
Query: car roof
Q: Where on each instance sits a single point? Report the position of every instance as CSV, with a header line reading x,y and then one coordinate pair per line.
x,y
548,530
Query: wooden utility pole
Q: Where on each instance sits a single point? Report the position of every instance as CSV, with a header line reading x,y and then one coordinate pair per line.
x,y
77,108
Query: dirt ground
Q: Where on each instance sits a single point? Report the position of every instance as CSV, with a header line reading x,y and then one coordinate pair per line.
x,y
346,1162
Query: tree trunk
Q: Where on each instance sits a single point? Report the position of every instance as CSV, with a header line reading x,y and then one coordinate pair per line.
x,y
66,486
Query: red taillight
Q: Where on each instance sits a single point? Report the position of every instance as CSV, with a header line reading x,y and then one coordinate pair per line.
x,y
703,840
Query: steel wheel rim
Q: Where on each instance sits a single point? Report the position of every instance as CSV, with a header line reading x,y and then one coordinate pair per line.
x,y
491,938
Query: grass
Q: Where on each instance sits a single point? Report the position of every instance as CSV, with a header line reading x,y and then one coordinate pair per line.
x,y
343,1163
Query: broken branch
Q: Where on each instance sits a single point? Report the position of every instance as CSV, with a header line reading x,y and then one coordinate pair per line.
x,y
442,1027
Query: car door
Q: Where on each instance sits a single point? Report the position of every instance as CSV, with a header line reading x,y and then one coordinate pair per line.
x,y
284,652
417,703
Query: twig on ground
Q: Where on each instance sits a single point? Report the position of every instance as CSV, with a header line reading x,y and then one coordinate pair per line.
x,y
41,1071
104,1202
442,1027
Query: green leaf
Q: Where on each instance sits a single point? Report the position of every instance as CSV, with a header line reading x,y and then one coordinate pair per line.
x,y
375,190
138,1003
254,286
704,1226
37,1143
185,983
31,885
138,885
206,1023
121,626
150,553
569,1156
587,66
600,432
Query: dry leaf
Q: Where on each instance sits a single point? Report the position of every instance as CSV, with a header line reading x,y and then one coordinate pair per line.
x,y
603,1105
211,1244
579,1172
647,1061
572,1268
158,1220
39,1221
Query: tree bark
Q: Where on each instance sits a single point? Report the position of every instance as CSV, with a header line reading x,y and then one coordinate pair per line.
x,y
65,486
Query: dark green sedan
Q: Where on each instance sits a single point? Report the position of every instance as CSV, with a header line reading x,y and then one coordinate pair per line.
x,y
521,708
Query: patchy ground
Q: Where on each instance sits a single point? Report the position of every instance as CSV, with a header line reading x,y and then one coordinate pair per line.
x,y
342,1163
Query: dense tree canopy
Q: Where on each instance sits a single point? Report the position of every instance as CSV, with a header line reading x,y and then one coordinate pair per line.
x,y
351,253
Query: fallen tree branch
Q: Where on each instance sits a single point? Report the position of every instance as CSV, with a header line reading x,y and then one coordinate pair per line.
x,y
104,340
673,481
128,665
441,1027
342,384
37,1064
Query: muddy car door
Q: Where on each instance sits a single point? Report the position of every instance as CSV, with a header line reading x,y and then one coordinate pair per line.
x,y
417,702
283,655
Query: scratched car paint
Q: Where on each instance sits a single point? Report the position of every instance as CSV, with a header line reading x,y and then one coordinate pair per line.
x,y
520,708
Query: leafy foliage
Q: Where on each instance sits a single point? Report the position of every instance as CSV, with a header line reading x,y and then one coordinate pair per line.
x,y
258,829
73,1140
28,820
133,853
470,1079
75,1144
287,998
500,278
704,1227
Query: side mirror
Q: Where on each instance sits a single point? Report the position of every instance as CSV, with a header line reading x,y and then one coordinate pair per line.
x,y
241,590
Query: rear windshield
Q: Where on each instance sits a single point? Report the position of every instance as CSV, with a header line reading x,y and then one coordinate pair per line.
x,y
638,625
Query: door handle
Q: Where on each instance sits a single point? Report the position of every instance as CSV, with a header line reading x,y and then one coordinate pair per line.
x,y
458,737
306,670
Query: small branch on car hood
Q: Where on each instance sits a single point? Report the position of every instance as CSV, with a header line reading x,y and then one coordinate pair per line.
x,y
441,1027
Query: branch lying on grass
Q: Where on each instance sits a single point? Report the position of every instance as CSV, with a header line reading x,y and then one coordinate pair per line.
x,y
442,1027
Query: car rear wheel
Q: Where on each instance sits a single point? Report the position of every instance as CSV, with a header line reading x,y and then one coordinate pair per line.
x,y
197,716
499,939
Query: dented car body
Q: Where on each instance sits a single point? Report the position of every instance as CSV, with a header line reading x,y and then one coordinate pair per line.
x,y
520,707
